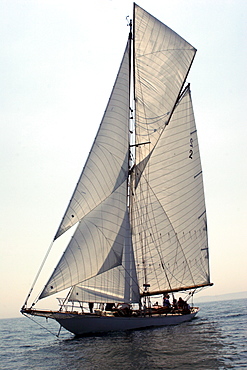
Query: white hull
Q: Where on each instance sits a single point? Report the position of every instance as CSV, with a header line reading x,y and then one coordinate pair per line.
x,y
86,324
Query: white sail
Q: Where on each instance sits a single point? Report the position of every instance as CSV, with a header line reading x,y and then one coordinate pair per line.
x,y
107,164
99,199
118,284
169,216
139,206
161,63
97,246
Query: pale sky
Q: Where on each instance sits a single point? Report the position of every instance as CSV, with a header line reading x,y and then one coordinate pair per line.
x,y
58,63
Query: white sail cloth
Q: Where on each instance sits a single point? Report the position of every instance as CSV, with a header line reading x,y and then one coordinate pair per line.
x,y
107,164
162,241
113,283
169,216
169,233
162,60
99,200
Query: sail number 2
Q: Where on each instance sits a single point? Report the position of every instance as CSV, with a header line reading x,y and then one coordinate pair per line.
x,y
191,150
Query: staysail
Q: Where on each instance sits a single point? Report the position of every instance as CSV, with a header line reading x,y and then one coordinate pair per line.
x,y
117,284
100,244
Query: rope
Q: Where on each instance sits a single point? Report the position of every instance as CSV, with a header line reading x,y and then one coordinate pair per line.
x,y
37,276
42,326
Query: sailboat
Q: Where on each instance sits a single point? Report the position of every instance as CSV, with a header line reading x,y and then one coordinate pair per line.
x,y
138,208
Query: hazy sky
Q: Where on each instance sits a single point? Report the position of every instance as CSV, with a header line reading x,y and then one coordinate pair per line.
x,y
58,63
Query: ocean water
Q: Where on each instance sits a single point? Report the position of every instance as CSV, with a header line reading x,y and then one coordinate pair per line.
x,y
216,339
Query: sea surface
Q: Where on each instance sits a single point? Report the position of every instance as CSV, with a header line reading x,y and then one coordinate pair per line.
x,y
216,339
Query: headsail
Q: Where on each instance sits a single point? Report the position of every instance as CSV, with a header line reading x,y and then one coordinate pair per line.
x,y
99,201
107,164
96,246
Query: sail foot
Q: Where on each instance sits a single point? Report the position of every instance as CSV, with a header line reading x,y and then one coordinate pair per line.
x,y
148,293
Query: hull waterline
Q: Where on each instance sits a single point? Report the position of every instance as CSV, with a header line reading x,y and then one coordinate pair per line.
x,y
87,324
84,324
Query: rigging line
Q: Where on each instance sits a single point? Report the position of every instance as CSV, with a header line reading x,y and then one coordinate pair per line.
x,y
66,299
104,193
136,225
131,277
180,96
163,267
137,72
103,200
42,326
122,273
159,253
145,238
179,244
150,121
176,279
160,256
101,232
38,274
155,117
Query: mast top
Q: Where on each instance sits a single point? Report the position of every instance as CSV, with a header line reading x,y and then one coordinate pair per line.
x,y
130,26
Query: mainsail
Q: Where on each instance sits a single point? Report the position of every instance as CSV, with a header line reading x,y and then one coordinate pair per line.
x,y
168,212
140,208
169,216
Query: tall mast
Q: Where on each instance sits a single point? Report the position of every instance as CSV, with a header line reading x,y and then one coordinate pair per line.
x,y
131,126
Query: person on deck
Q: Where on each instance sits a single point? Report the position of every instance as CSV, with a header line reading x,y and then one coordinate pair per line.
x,y
124,309
156,305
90,305
183,306
175,304
180,303
109,307
166,302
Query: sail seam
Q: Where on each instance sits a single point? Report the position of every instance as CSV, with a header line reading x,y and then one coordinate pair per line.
x,y
179,243
138,56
